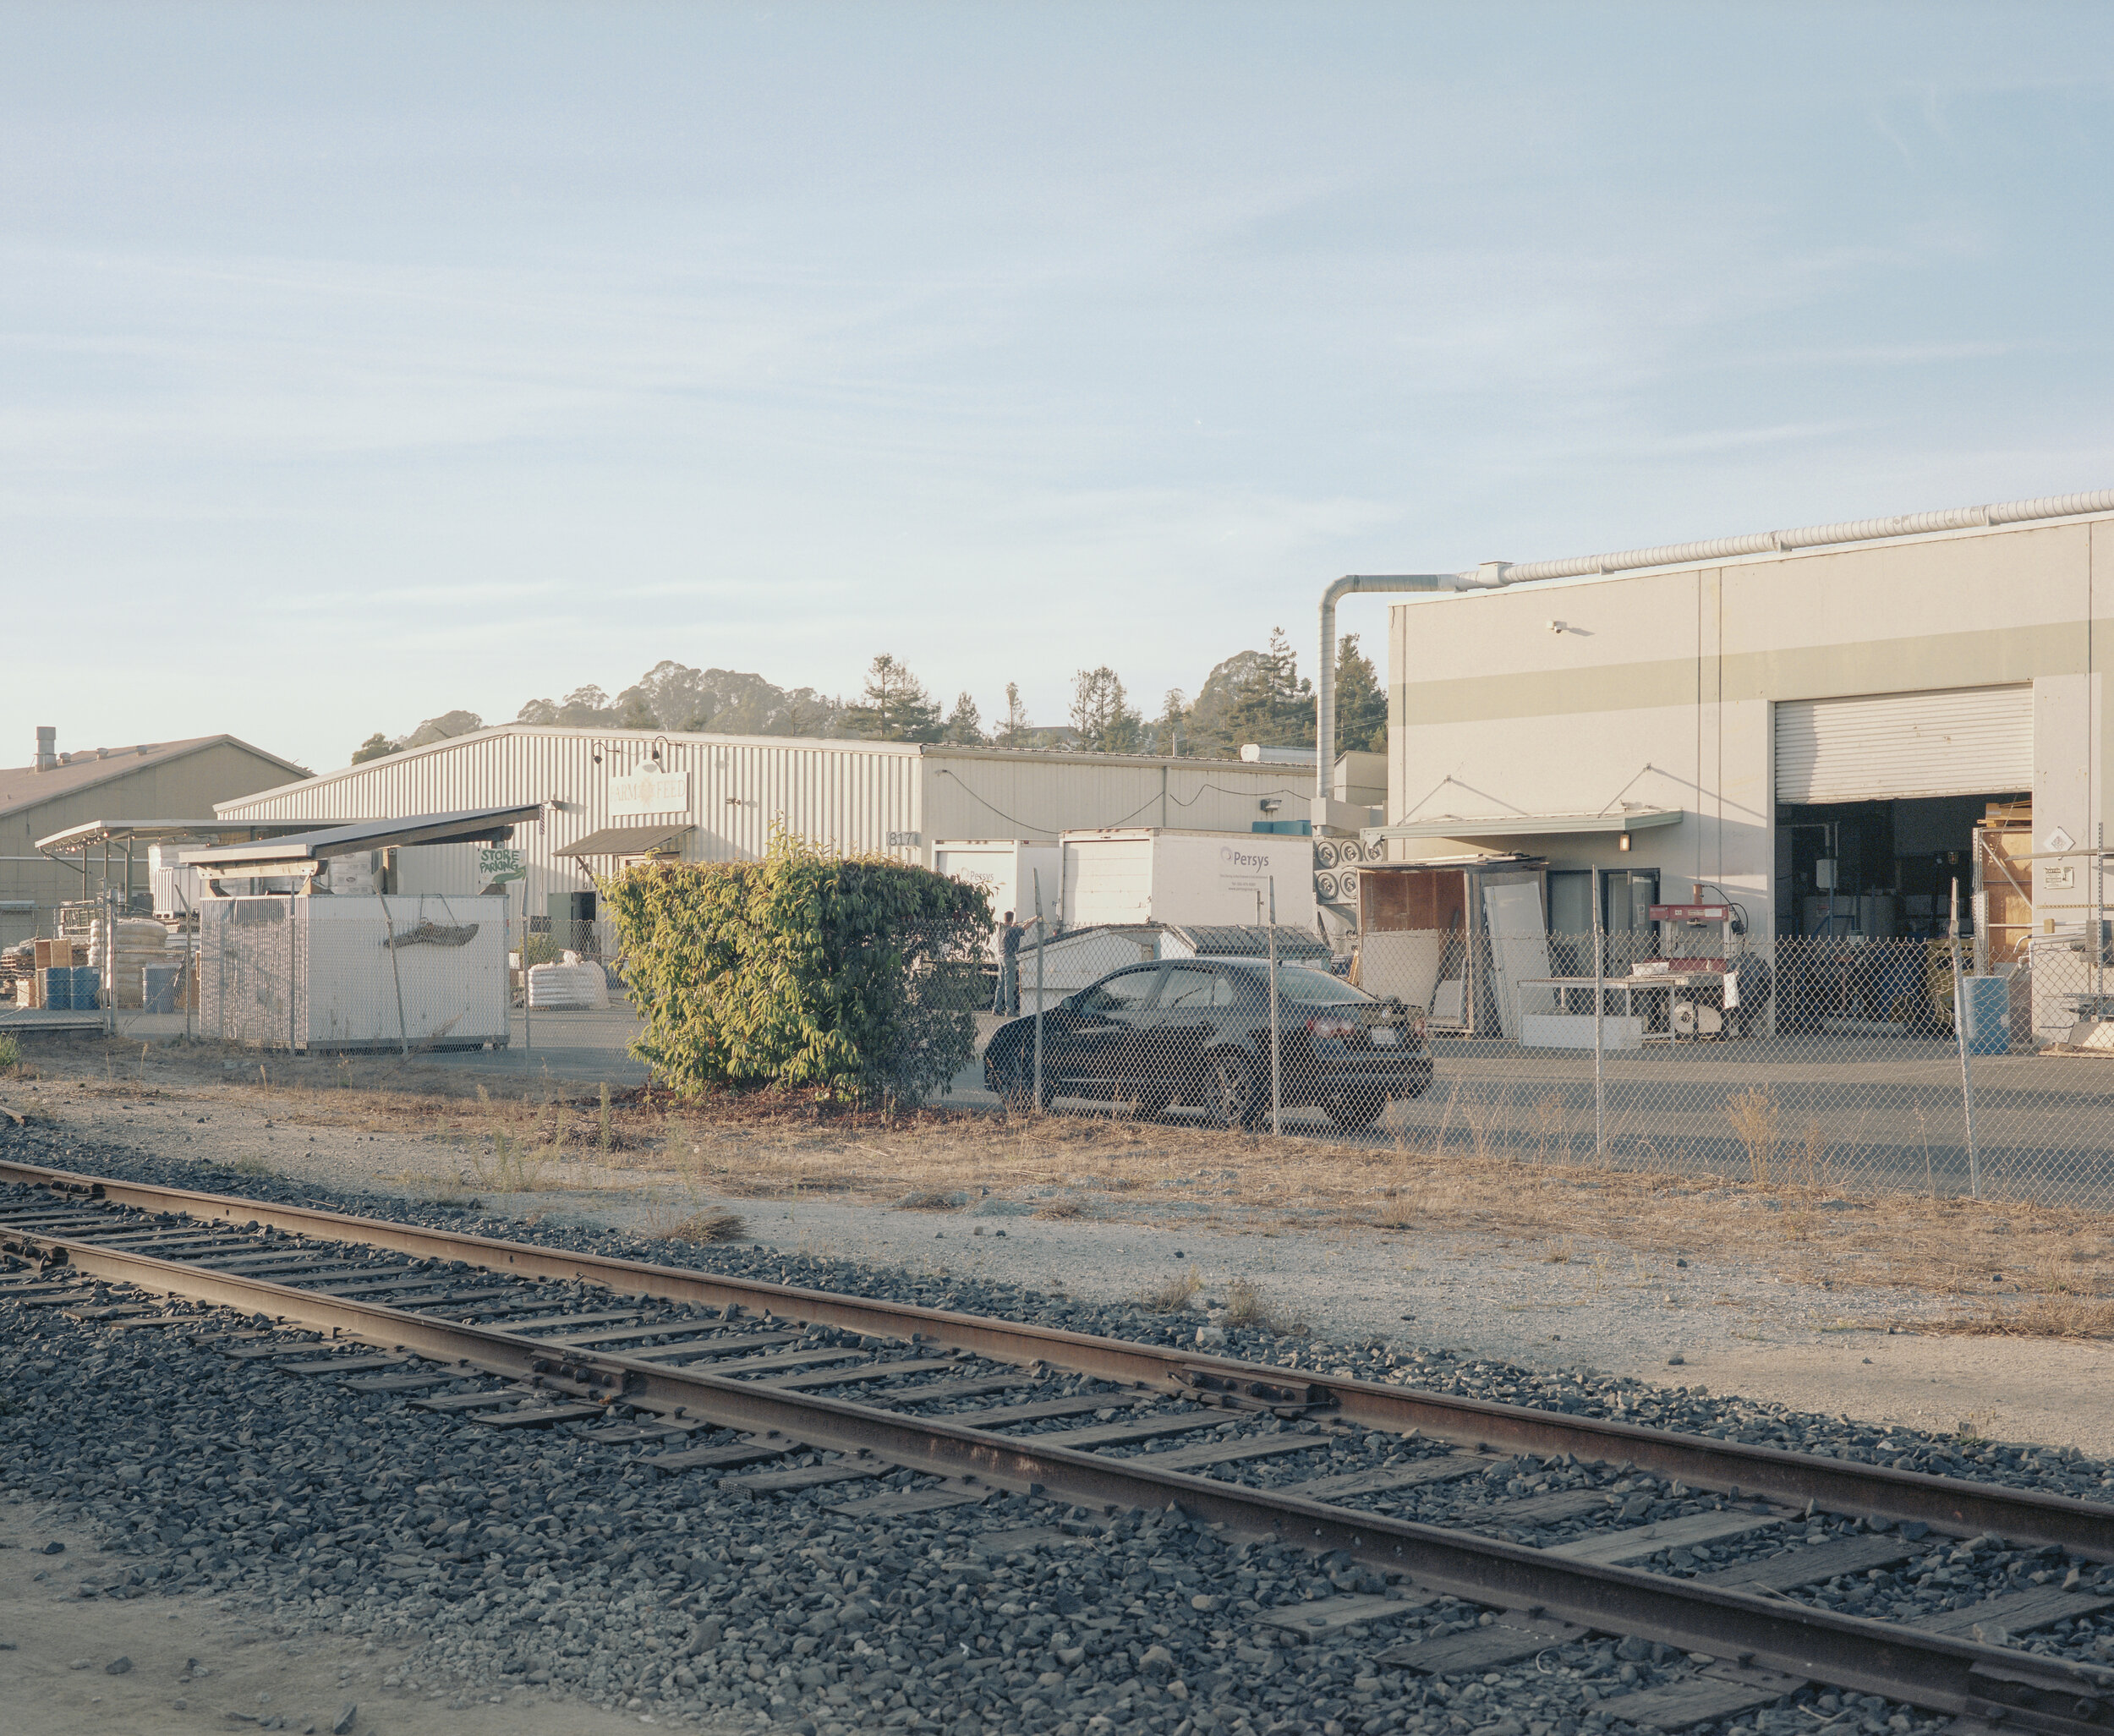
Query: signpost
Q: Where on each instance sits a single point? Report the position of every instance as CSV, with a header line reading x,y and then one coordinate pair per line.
x,y
496,864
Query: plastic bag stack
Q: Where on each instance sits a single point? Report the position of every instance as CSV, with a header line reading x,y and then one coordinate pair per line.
x,y
569,986
141,941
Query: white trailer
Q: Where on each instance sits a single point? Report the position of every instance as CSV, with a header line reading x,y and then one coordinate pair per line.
x,y
1007,868
1153,874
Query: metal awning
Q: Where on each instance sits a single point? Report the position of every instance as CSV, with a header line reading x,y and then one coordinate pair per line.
x,y
1533,825
125,833
275,856
628,840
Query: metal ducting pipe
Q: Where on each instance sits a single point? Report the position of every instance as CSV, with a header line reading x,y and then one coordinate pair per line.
x,y
1814,536
1494,574
1325,681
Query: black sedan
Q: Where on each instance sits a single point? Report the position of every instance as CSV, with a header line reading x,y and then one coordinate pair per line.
x,y
1196,1031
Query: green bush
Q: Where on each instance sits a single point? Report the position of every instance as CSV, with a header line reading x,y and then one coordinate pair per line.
x,y
858,973
543,948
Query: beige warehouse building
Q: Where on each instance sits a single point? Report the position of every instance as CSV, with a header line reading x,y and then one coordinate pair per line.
x,y
612,796
147,782
1816,732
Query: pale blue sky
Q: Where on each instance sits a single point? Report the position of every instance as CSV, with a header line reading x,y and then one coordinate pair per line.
x,y
357,363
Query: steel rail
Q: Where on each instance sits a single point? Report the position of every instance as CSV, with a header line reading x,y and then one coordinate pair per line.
x,y
1950,1505
1939,1674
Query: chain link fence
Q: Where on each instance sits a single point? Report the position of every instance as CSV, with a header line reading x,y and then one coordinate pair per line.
x,y
1830,1065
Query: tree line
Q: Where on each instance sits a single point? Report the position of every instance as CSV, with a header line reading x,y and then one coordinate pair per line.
x,y
1252,696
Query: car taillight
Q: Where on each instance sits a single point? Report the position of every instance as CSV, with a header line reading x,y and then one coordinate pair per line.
x,y
1324,1024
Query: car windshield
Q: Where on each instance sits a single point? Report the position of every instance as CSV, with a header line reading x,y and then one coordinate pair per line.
x,y
1310,987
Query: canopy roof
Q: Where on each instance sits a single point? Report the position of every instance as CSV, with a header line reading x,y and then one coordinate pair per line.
x,y
1533,825
629,841
92,833
476,825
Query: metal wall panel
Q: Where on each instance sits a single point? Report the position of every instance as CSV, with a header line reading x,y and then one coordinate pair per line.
x,y
991,794
894,798
1959,741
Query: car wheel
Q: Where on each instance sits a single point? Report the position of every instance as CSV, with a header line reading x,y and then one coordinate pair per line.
x,y
1415,1085
1236,1099
1357,1111
1151,1105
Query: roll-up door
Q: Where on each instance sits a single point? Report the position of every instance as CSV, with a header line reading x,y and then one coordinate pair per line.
x,y
1961,741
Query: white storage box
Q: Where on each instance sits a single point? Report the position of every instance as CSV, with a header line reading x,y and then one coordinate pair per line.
x,y
339,973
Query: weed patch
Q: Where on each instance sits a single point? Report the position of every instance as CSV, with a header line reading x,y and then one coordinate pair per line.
x,y
1175,1294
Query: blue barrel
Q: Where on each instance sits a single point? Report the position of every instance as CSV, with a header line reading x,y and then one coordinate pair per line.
x,y
88,982
160,993
58,989
1987,1004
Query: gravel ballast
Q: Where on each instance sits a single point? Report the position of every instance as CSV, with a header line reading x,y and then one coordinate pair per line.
x,y
546,1565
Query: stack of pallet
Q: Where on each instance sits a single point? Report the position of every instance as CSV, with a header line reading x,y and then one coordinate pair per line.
x,y
46,956
2003,853
140,941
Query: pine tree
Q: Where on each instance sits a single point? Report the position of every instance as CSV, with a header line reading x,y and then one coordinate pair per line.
x,y
1361,703
1170,731
1102,712
1273,707
1013,727
895,706
965,723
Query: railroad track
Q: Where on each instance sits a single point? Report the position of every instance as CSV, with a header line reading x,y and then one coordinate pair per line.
x,y
1531,1529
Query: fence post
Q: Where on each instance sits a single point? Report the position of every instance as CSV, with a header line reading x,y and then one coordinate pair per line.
x,y
1040,932
396,976
1600,1009
1277,1064
1959,1031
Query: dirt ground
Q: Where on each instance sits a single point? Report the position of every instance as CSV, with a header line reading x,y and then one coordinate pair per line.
x,y
188,1668
1994,1316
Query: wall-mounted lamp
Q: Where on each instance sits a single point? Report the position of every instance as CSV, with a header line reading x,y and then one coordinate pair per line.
x,y
1556,626
1622,840
1271,804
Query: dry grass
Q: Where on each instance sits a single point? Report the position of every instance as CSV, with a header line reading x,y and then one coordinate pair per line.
x,y
1754,1114
2045,1317
1173,1295
1466,1178
928,1199
1248,1305
707,1226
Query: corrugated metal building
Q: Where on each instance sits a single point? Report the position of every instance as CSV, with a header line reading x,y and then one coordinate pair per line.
x,y
715,798
1818,735
149,781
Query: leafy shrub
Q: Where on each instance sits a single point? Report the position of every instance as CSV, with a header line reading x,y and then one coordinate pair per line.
x,y
858,973
543,948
